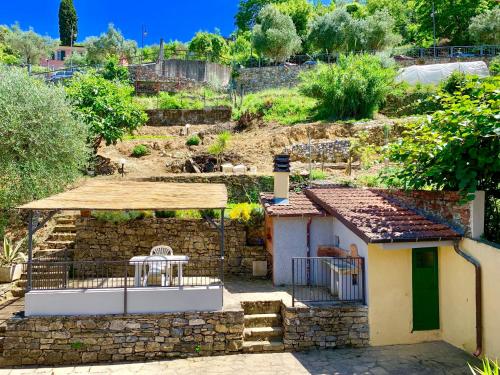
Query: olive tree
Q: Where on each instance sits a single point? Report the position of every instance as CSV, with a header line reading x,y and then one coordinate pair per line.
x,y
275,36
43,145
210,45
111,43
28,45
485,27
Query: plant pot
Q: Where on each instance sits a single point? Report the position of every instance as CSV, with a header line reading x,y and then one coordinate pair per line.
x,y
10,273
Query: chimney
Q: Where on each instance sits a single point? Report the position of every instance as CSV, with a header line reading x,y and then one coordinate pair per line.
x,y
281,178
477,215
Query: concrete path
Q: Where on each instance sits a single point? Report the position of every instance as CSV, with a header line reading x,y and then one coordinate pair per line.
x,y
429,358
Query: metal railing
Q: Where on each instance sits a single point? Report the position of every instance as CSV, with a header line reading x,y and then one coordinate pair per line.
x,y
104,274
325,279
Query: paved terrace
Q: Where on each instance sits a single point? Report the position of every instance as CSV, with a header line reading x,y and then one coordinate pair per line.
x,y
430,358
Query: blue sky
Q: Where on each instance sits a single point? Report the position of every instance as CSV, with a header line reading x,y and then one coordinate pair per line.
x,y
170,19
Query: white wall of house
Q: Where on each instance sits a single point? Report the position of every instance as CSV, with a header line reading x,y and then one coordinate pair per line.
x,y
111,301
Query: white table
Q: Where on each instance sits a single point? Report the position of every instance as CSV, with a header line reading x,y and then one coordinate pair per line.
x,y
138,262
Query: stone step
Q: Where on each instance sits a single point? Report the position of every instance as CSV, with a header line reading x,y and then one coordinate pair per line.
x,y
18,292
262,320
262,333
261,307
65,220
62,236
64,228
263,346
59,244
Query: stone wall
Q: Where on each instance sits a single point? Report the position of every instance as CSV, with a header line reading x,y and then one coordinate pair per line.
x,y
320,327
270,77
102,240
240,188
335,150
172,117
443,206
78,340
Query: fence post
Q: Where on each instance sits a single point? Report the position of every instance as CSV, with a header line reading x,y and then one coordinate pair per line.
x,y
293,282
364,279
125,289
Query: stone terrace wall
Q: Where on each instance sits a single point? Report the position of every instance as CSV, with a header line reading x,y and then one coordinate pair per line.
x,y
270,77
171,117
239,187
323,327
100,240
78,340
444,206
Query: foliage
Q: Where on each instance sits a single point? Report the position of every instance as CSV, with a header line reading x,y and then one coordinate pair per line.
x,y
456,148
248,10
301,13
210,45
110,43
165,214
193,99
454,82
352,88
43,146
117,217
400,11
485,27
113,71
240,48
452,19
28,45
284,106
495,66
220,145
247,213
68,22
409,100
6,56
340,31
140,150
489,368
193,140
275,36
76,59
12,254
318,174
106,107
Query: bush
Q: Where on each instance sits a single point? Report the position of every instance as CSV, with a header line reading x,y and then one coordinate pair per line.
x,y
318,174
407,100
247,213
495,66
352,88
117,217
42,144
454,82
165,214
169,101
284,106
140,150
194,140
220,146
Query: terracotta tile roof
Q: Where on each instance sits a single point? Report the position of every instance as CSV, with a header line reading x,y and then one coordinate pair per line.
x,y
299,205
376,218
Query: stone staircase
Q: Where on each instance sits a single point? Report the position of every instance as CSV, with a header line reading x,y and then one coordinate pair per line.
x,y
263,330
58,247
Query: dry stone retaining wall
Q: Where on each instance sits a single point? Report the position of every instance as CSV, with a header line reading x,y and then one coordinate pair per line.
x,y
101,240
270,77
79,340
172,117
325,327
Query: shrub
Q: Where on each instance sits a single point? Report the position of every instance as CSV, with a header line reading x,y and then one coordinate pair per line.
x,y
284,106
106,106
117,217
454,82
407,100
318,174
113,71
247,213
42,144
169,101
140,150
220,146
193,140
165,214
352,88
495,66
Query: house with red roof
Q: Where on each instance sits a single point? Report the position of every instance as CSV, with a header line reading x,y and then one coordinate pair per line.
x,y
397,252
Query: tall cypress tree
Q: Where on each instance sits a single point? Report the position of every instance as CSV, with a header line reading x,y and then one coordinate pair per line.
x,y
68,22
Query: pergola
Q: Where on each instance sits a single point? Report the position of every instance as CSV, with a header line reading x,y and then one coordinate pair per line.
x,y
106,195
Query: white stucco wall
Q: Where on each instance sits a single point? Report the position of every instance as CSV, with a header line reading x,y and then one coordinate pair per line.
x,y
111,301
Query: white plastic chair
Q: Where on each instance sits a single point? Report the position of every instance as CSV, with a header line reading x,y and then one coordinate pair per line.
x,y
161,250
155,270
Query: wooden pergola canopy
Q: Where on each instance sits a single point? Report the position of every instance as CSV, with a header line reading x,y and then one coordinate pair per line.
x,y
132,195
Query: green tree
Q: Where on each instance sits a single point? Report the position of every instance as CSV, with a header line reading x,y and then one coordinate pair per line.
x,y
210,45
485,27
301,12
354,87
220,146
110,43
43,144
113,71
68,22
6,57
240,48
452,18
275,36
28,45
106,106
400,11
248,11
379,31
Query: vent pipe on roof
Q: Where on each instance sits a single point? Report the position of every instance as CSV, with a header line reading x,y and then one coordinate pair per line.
x,y
281,179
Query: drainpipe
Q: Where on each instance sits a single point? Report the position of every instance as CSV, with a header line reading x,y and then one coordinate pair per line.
x,y
479,297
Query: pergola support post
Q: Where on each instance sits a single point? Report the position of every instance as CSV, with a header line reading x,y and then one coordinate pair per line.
x,y
30,249
221,239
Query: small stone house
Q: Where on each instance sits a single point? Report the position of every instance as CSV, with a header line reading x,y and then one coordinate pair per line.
x,y
411,261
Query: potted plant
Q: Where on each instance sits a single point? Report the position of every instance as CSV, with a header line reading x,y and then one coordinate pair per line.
x,y
10,259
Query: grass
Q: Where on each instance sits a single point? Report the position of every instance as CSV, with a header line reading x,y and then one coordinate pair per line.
x,y
284,106
192,99
146,137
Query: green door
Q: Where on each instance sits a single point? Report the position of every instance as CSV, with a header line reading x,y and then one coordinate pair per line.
x,y
425,289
